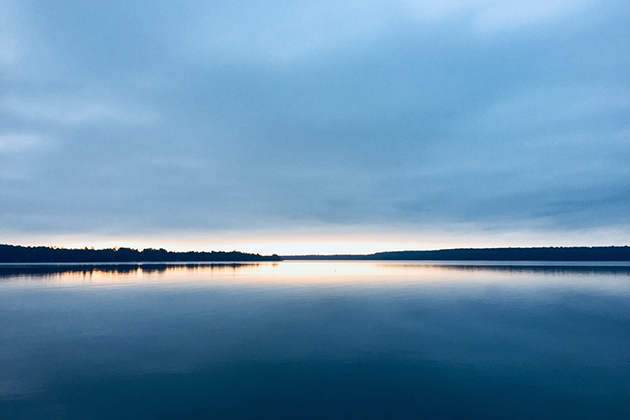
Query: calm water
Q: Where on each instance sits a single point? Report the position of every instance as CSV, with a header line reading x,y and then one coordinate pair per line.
x,y
315,340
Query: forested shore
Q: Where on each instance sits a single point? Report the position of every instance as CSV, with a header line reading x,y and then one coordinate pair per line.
x,y
605,253
45,254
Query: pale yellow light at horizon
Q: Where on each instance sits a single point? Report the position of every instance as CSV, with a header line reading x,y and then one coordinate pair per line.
x,y
350,242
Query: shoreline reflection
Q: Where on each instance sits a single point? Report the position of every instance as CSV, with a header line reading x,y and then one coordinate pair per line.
x,y
35,271
534,267
362,276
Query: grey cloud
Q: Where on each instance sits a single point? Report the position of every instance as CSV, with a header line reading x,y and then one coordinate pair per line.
x,y
300,114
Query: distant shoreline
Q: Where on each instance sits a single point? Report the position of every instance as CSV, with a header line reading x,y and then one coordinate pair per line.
x,y
603,253
44,254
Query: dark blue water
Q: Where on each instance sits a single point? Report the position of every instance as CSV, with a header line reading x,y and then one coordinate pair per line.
x,y
315,340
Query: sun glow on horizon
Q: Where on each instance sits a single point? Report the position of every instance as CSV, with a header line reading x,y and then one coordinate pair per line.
x,y
267,243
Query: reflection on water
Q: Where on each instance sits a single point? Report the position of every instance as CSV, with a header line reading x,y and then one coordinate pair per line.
x,y
540,268
45,270
315,340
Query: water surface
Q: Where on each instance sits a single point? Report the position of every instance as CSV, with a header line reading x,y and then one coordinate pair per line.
x,y
315,340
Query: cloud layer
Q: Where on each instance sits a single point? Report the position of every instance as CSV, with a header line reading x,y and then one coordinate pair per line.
x,y
124,119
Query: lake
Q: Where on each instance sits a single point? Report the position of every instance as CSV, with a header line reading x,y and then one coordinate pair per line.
x,y
315,340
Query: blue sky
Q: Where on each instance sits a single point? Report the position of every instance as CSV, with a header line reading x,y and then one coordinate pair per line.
x,y
315,126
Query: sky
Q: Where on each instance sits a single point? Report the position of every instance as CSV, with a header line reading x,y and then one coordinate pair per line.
x,y
315,126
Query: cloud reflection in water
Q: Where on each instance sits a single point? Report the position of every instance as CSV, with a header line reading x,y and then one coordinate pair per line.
x,y
313,340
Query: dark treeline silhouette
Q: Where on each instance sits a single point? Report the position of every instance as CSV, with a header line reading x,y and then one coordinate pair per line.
x,y
603,253
44,254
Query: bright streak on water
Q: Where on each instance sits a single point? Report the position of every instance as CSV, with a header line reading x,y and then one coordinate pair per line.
x,y
315,340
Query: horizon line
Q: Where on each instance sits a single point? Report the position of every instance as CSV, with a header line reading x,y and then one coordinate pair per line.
x,y
334,254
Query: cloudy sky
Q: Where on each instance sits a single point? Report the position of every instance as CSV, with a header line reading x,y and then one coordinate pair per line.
x,y
315,126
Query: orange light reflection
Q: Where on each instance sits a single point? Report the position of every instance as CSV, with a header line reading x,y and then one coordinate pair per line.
x,y
612,278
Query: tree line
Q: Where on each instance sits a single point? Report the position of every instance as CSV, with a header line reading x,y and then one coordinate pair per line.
x,y
45,254
603,253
